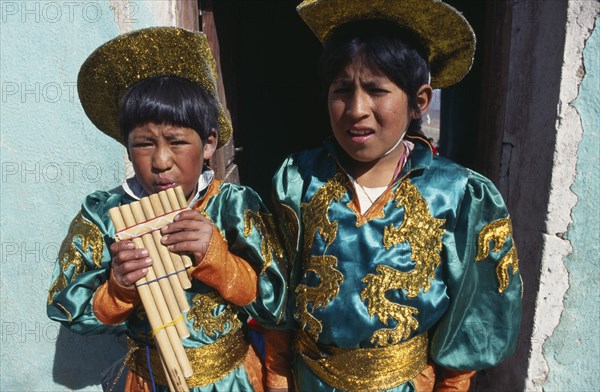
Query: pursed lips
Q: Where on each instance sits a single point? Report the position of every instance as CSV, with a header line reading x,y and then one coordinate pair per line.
x,y
164,183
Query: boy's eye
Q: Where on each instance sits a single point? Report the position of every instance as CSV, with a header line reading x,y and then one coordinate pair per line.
x,y
378,91
341,90
143,144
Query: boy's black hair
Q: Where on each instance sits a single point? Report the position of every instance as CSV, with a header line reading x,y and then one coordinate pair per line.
x,y
383,45
168,100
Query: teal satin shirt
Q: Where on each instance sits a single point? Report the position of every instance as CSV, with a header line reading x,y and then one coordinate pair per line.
x,y
434,254
84,264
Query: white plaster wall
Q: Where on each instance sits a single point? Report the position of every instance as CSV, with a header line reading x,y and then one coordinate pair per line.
x,y
51,157
554,278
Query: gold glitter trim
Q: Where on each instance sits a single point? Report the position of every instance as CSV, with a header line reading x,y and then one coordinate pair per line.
x,y
423,233
120,63
65,311
210,363
265,225
319,296
498,231
69,256
290,224
315,219
443,30
201,314
365,369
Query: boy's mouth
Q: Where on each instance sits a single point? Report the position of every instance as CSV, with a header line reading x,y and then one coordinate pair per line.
x,y
360,134
166,183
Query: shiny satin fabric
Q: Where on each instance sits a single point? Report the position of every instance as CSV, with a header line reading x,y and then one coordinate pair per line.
x,y
409,265
236,211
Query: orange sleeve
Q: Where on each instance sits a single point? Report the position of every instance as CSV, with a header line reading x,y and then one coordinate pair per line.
x,y
278,345
229,274
425,381
114,303
454,380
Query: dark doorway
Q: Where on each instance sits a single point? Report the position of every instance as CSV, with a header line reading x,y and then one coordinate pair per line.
x,y
461,103
269,65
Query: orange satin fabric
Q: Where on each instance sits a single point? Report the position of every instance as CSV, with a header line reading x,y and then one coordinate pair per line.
x,y
113,303
278,358
254,368
425,381
229,274
454,380
447,380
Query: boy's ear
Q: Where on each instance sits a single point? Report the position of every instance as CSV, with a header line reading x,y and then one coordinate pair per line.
x,y
424,95
210,145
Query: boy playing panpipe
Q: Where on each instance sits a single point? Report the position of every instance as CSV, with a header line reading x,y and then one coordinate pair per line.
x,y
154,90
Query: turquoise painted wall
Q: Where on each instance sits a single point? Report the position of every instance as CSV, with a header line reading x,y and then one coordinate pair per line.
x,y
51,157
573,351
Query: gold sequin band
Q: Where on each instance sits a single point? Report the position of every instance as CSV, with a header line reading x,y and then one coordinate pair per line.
x,y
147,227
364,369
210,363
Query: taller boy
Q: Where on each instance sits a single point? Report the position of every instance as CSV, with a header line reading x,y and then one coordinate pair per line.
x,y
404,272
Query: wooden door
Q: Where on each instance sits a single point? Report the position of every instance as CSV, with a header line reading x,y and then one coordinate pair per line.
x,y
193,17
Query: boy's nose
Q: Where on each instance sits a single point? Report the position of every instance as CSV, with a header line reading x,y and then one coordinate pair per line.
x,y
162,159
358,105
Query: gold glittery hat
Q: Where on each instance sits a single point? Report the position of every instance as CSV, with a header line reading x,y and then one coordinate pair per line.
x,y
443,30
120,63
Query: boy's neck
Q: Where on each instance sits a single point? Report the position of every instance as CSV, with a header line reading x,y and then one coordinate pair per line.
x,y
380,172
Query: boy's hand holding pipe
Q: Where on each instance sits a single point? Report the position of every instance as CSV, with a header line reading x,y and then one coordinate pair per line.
x,y
190,233
128,263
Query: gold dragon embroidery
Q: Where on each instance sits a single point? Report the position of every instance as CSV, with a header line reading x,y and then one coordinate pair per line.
x,y
69,256
201,314
265,225
424,234
498,231
289,227
314,216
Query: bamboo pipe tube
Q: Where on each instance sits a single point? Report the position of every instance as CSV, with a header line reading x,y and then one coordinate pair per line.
x,y
168,207
182,201
157,205
167,375
180,196
173,370
187,262
165,257
160,271
163,310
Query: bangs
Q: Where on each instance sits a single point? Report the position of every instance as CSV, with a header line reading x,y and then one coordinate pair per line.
x,y
168,100
382,46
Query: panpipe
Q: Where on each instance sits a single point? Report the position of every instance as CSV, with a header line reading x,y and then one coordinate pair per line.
x,y
161,290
